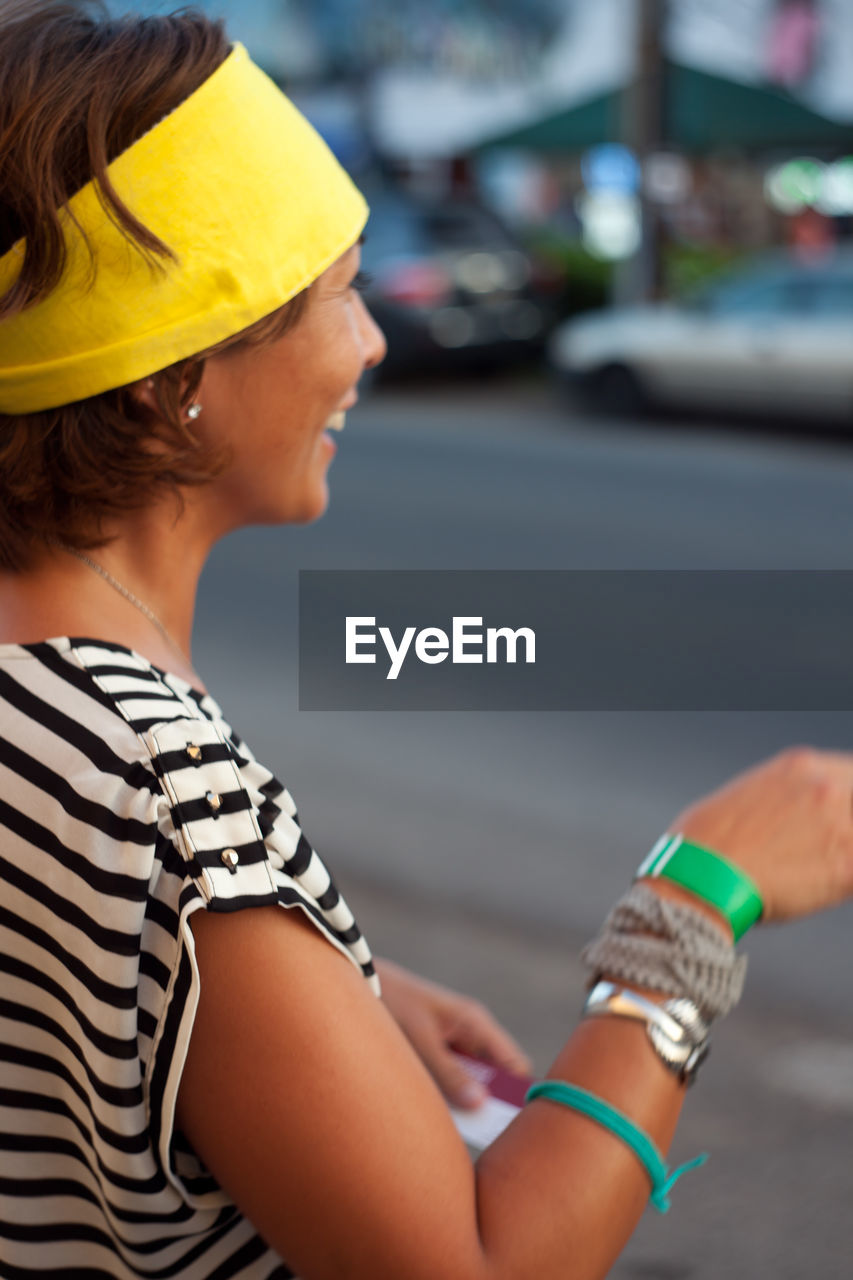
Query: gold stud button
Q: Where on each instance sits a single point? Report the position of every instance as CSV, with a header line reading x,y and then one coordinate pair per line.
x,y
193,752
230,857
214,800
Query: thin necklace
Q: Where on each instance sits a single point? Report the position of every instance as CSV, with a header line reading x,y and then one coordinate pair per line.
x,y
128,595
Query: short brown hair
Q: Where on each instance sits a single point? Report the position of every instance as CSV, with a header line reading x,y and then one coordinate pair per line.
x,y
79,87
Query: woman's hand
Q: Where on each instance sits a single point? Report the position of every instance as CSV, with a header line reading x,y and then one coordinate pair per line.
x,y
788,823
437,1021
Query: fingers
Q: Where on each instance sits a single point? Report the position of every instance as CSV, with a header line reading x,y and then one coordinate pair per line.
x,y
437,1020
477,1032
465,1026
428,1038
460,1089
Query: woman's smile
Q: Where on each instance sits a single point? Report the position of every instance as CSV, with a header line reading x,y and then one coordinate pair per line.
x,y
279,395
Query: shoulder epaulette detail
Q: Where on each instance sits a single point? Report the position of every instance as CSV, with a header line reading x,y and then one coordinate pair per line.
x,y
211,810
235,827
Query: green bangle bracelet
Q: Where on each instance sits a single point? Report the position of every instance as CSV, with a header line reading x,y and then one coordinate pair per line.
x,y
709,876
577,1099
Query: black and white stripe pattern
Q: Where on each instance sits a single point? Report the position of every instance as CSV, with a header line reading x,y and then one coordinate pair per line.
x,y
126,803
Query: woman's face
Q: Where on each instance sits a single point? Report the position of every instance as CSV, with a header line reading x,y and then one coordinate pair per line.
x,y
270,405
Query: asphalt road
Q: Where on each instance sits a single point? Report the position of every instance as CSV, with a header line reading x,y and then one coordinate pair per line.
x,y
484,847
538,816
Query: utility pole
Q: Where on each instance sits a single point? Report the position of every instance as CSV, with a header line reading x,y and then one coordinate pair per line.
x,y
643,128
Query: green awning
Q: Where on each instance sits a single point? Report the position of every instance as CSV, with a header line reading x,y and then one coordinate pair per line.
x,y
703,112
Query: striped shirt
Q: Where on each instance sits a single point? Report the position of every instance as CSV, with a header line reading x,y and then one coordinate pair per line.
x,y
126,804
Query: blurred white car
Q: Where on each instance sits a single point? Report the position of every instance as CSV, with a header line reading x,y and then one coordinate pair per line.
x,y
776,339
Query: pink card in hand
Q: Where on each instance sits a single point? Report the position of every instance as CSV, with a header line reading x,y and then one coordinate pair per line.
x,y
504,1099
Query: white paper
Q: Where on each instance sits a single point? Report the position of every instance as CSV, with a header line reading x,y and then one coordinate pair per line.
x,y
479,1128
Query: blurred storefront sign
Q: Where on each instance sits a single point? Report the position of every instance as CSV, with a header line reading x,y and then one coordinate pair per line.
x,y
433,110
804,45
808,183
795,185
836,197
794,42
610,167
609,210
743,73
611,223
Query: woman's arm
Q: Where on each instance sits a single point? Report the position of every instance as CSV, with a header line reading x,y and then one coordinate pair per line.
x,y
307,1103
304,1099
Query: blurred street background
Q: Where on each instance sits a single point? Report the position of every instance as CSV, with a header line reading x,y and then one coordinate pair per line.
x,y
612,249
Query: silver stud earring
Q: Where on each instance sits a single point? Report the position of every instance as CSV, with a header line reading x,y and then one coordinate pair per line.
x,y
193,411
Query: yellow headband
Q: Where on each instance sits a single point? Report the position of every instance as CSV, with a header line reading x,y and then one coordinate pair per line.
x,y
246,194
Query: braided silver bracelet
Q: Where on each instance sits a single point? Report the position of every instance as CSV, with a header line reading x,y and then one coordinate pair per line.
x,y
668,947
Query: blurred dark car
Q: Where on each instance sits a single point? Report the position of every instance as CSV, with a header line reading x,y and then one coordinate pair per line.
x,y
450,286
775,338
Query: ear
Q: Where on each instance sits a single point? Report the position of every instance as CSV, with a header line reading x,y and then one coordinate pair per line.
x,y
145,393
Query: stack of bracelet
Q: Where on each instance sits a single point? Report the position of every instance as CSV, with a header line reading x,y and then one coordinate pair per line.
x,y
665,946
676,949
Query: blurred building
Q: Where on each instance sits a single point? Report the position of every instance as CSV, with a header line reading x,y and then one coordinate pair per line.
x,y
736,112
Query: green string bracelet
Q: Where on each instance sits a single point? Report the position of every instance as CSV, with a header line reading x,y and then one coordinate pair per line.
x,y
577,1099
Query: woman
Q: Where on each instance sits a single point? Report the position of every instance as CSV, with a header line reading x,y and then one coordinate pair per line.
x,y
194,1082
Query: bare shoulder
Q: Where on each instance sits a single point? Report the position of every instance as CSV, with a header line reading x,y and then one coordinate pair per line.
x,y
308,1105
